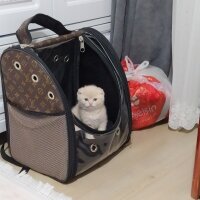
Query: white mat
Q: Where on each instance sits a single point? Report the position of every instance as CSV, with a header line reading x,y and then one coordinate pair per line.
x,y
14,186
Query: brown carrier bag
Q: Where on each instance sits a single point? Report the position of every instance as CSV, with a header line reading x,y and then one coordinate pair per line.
x,y
40,81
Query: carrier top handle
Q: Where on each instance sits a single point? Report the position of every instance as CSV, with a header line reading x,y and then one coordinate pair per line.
x,y
24,36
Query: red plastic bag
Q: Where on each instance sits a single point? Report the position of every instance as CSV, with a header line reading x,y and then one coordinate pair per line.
x,y
150,92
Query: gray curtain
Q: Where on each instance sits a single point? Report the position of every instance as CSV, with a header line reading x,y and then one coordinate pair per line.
x,y
141,29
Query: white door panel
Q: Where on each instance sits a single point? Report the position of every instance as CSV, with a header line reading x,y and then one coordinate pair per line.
x,y
1,94
73,11
1,107
2,123
14,12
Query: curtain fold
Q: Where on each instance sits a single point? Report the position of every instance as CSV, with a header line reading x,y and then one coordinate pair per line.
x,y
141,29
184,111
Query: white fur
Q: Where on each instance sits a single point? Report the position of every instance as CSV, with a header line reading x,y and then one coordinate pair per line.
x,y
90,108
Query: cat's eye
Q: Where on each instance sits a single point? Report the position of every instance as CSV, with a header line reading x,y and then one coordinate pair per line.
x,y
95,99
86,99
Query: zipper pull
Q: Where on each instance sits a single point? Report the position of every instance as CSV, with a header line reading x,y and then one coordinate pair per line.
x,y
82,45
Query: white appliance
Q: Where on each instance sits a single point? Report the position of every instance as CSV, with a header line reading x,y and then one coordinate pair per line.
x,y
73,14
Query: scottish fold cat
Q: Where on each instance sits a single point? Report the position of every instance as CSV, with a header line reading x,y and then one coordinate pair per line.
x,y
90,107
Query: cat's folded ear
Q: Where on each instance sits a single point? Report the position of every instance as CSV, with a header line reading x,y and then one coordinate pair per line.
x,y
101,91
79,91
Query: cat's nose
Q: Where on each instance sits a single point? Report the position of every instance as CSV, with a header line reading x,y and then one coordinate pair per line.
x,y
90,102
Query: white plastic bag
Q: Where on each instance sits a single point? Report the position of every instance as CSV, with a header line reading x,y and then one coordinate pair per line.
x,y
150,92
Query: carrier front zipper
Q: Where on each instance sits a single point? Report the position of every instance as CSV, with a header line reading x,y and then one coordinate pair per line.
x,y
82,45
93,32
114,73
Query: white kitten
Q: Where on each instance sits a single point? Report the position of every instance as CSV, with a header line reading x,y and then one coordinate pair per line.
x,y
90,108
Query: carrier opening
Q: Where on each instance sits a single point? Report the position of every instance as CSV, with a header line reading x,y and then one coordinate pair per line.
x,y
74,69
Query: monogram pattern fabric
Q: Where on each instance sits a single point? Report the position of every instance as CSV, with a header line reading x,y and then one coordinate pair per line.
x,y
23,34
28,85
56,40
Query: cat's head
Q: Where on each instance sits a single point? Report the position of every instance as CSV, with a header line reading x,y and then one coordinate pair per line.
x,y
90,97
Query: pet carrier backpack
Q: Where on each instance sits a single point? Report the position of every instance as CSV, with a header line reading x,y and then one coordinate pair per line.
x,y
40,80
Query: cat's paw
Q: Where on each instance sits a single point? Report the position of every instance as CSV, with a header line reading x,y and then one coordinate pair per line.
x,y
102,128
77,128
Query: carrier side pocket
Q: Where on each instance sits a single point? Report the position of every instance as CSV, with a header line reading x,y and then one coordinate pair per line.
x,y
39,142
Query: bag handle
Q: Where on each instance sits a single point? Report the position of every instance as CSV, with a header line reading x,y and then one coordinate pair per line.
x,y
24,36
